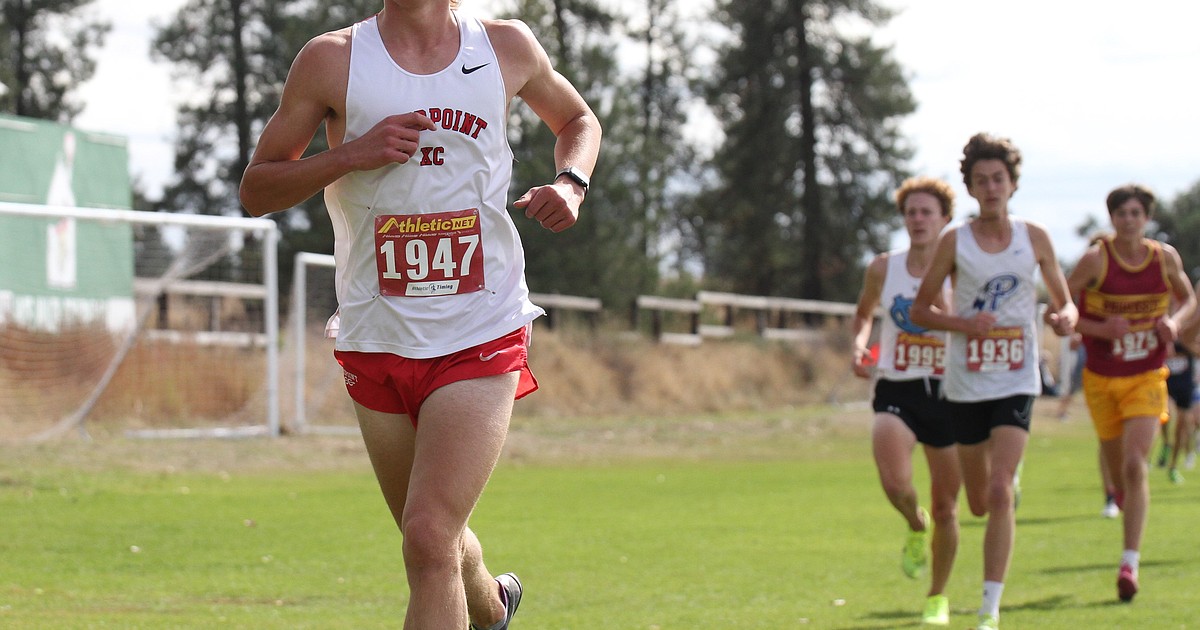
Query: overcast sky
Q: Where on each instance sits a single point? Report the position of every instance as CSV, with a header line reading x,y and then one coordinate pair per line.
x,y
1095,93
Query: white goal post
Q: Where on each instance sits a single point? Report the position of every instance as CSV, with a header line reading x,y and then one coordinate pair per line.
x,y
145,261
318,383
316,293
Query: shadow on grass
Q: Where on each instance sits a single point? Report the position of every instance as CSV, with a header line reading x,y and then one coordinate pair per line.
x,y
1108,566
889,619
1053,520
908,618
1064,602
1162,497
978,522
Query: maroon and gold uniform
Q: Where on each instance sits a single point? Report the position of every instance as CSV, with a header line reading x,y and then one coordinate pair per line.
x,y
1126,377
1140,294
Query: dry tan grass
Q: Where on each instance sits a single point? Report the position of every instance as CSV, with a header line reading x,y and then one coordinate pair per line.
x,y
604,396
615,373
582,374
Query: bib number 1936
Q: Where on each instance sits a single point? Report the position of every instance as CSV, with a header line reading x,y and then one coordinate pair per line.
x,y
1001,350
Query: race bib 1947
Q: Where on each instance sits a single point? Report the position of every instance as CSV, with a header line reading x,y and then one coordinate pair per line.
x,y
423,255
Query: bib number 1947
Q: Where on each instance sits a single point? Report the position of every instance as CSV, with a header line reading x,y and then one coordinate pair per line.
x,y
429,254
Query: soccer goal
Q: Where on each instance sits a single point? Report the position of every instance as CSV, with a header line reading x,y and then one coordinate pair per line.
x,y
155,324
321,403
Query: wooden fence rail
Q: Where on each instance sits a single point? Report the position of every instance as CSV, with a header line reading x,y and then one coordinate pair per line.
x,y
555,304
774,317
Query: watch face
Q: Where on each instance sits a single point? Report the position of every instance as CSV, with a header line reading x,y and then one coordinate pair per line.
x,y
576,175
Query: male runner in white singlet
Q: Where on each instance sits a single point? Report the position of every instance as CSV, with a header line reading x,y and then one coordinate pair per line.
x,y
909,408
992,372
433,306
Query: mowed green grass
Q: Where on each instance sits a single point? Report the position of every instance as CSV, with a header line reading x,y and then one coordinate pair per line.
x,y
803,538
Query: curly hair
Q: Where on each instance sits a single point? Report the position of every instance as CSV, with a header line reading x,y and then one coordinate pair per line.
x,y
1121,194
984,146
929,185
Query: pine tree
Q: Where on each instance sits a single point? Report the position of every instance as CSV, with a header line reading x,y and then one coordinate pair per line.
x,y
235,55
47,50
1178,222
622,238
812,152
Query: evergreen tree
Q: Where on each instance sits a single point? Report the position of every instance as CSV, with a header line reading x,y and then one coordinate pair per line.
x,y
813,149
664,166
235,54
47,46
615,250
1178,223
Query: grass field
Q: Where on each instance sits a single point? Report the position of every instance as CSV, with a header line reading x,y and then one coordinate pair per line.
x,y
770,520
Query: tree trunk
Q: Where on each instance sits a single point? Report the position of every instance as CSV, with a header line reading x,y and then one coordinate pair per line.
x,y
20,24
814,219
241,72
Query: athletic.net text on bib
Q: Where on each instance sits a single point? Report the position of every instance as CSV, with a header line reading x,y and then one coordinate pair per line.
x,y
425,255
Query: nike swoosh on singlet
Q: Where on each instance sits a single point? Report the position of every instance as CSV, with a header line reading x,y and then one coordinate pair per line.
x,y
466,70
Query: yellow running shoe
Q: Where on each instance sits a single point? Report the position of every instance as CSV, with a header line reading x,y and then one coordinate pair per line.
x,y
937,611
988,622
914,557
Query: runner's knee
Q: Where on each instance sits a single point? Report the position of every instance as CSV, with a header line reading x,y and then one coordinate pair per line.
x,y
431,542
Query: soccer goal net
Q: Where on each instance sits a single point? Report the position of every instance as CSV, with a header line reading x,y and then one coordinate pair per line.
x,y
319,393
152,324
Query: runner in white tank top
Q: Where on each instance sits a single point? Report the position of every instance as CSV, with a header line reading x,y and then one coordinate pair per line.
x,y
909,409
906,351
430,272
991,375
1003,362
428,293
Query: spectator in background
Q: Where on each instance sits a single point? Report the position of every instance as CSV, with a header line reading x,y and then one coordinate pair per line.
x,y
1181,385
1072,385
1185,392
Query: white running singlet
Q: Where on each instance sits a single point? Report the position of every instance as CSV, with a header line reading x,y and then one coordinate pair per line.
x,y
1004,362
906,350
428,260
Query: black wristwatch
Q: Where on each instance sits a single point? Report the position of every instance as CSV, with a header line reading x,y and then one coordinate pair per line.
x,y
576,176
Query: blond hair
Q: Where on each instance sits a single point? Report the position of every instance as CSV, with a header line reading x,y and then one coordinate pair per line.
x,y
929,185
